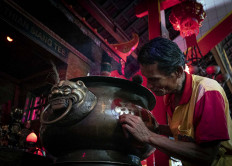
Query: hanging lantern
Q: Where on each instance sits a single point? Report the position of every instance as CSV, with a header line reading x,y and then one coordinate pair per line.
x,y
212,70
221,78
187,17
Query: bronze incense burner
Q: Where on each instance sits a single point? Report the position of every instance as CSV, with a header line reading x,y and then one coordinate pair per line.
x,y
80,124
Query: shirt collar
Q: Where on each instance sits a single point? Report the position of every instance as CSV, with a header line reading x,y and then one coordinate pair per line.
x,y
186,93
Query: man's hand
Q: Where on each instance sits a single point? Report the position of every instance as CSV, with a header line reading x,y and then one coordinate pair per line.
x,y
134,125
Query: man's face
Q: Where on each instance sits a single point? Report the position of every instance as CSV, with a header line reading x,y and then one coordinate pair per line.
x,y
157,81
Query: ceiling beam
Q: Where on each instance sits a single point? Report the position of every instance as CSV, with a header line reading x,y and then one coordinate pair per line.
x,y
141,9
132,24
106,22
123,11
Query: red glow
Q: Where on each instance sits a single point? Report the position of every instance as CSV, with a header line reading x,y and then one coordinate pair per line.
x,y
142,14
38,152
83,155
32,137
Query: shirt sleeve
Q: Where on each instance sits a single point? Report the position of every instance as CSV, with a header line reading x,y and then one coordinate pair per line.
x,y
209,118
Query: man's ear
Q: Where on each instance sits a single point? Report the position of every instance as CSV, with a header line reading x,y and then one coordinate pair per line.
x,y
179,71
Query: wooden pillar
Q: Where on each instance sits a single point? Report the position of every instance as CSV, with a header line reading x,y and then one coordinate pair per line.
x,y
224,68
154,29
154,26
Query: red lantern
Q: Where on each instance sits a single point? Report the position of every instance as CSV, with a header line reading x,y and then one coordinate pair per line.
x,y
212,70
187,17
222,77
32,137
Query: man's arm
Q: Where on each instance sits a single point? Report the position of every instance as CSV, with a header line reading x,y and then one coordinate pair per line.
x,y
186,151
202,154
165,130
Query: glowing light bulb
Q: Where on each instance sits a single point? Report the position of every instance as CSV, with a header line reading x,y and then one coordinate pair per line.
x,y
186,69
9,39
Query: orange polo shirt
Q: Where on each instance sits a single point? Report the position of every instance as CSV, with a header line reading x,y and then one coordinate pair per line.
x,y
202,115
204,102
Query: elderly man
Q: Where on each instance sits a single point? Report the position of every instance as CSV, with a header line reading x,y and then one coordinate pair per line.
x,y
196,107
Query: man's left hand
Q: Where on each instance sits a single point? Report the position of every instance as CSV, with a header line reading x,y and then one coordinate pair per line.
x,y
134,125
